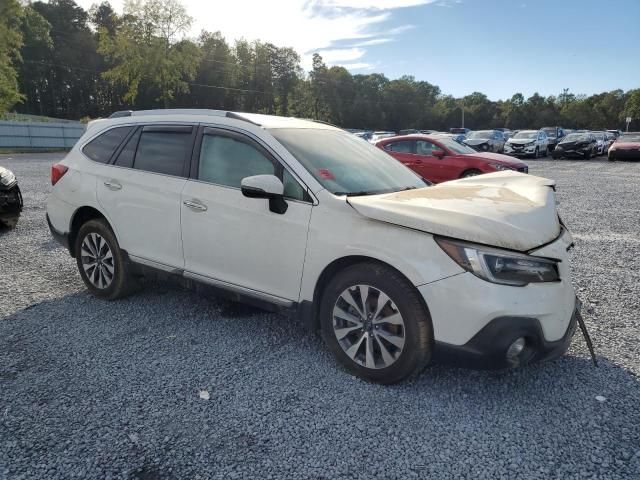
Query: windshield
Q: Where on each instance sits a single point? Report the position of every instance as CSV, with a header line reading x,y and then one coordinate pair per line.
x,y
480,134
551,132
576,137
455,147
345,165
526,135
629,137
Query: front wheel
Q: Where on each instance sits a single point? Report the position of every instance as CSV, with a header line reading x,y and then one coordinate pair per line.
x,y
101,262
587,155
375,324
470,173
611,158
536,154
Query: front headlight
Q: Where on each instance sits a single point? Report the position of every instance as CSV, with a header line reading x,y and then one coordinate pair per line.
x,y
499,166
531,144
500,266
7,177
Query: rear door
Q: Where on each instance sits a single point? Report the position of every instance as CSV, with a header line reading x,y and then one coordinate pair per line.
x,y
238,242
140,191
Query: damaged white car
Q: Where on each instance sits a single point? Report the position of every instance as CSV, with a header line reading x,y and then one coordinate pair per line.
x,y
295,214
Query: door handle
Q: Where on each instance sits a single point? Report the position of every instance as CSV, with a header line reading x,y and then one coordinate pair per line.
x,y
113,185
195,205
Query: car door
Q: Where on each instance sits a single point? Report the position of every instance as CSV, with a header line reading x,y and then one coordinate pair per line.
x,y
431,167
403,150
140,191
234,241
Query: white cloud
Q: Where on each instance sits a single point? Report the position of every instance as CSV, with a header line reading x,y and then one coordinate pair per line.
x,y
357,66
306,25
341,55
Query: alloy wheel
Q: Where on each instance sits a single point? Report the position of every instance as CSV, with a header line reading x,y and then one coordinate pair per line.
x,y
368,326
97,260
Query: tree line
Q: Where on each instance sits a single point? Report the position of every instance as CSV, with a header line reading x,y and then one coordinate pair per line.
x,y
59,60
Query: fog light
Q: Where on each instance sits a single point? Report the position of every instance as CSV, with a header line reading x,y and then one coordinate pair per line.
x,y
516,348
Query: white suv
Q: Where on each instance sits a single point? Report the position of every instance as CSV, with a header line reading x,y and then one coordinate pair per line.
x,y
533,143
301,215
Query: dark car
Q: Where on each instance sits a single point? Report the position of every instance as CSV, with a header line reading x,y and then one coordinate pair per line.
x,y
627,146
485,141
582,145
459,130
438,158
555,135
10,199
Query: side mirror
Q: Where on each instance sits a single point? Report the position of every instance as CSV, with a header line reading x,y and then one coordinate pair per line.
x,y
265,186
437,153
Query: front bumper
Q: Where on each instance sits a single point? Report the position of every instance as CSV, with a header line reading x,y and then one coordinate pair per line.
x,y
488,348
520,151
625,154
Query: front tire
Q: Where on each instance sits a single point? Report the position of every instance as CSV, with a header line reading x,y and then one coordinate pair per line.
x,y
375,324
587,155
470,173
536,154
101,263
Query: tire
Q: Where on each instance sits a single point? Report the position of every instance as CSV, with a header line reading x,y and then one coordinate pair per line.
x,y
110,279
470,173
611,158
587,155
403,304
536,154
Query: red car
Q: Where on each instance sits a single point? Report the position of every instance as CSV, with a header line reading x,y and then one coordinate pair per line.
x,y
439,158
626,146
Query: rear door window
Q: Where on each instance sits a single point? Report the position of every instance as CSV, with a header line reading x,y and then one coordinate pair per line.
x,y
102,148
164,149
400,147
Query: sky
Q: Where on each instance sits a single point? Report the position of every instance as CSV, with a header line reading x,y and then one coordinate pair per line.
x,y
497,47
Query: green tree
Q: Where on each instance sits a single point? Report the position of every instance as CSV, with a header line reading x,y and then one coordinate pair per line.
x,y
146,54
632,108
10,43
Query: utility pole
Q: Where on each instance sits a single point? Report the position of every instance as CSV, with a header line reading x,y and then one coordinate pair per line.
x,y
462,115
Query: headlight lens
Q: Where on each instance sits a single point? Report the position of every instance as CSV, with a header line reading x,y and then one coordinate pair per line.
x,y
499,166
500,266
7,177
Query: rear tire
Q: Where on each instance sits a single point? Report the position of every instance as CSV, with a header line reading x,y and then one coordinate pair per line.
x,y
382,343
101,263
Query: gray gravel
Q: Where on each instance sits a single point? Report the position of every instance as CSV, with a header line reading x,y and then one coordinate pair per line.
x,y
90,389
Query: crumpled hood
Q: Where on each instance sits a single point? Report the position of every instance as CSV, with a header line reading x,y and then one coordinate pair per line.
x,y
504,209
475,141
521,141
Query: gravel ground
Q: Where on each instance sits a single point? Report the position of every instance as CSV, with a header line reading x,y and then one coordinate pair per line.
x,y
90,389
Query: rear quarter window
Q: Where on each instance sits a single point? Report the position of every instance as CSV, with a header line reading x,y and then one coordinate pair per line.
x,y
101,148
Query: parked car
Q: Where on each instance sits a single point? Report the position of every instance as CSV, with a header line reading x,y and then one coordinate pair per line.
x,y
554,134
295,214
528,143
601,141
582,145
627,146
457,130
364,135
610,138
10,199
439,159
615,132
485,140
379,135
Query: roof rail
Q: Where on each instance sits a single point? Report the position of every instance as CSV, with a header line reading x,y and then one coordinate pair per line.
x,y
168,111
121,113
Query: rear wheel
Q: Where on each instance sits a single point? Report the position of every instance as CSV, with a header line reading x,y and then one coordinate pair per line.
x,y
101,262
375,324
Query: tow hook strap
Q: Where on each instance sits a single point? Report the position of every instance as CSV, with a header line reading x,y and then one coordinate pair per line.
x,y
586,336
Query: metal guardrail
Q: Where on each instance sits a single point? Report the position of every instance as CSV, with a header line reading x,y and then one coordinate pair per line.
x,y
35,135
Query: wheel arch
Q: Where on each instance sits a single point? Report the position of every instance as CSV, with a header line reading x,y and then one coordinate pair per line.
x,y
310,311
80,217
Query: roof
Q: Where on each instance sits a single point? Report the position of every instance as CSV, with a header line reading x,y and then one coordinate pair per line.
x,y
265,121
